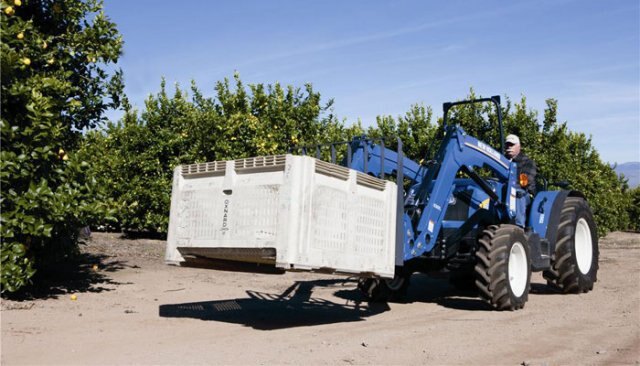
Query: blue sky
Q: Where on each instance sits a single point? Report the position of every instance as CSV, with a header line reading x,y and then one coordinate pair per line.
x,y
378,58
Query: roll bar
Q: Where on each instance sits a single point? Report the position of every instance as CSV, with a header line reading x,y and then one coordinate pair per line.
x,y
494,99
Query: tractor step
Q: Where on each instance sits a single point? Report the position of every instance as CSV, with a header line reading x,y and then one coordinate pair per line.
x,y
539,249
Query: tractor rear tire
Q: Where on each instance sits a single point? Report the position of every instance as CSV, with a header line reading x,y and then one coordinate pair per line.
x,y
574,267
503,268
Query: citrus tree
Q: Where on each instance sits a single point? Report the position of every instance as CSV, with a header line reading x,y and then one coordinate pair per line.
x,y
135,157
54,55
634,209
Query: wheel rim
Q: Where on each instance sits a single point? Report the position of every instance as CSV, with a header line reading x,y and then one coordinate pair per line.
x,y
518,271
584,246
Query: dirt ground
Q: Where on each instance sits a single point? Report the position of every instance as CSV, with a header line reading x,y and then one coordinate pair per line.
x,y
133,309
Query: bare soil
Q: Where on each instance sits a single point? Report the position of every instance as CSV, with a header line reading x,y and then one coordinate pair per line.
x,y
133,309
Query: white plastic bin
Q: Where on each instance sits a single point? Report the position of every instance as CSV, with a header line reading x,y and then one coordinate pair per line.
x,y
297,212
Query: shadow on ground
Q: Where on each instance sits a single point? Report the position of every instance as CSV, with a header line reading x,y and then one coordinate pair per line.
x,y
544,289
438,290
74,276
295,307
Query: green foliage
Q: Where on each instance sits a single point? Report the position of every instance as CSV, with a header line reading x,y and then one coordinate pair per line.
x,y
136,156
54,85
634,209
415,129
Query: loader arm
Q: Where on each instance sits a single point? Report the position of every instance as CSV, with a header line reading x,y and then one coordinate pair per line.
x,y
377,160
458,152
426,203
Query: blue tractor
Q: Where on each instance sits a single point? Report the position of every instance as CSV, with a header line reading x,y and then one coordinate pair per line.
x,y
452,218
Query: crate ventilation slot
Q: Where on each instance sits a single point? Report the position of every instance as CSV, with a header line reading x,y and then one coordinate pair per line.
x,y
263,163
332,170
212,168
371,182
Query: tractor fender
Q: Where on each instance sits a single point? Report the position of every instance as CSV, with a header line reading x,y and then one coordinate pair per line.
x,y
544,214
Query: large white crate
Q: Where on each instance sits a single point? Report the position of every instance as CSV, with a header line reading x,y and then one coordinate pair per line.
x,y
314,215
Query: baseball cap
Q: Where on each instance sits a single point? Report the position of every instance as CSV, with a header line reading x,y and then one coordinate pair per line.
x,y
513,139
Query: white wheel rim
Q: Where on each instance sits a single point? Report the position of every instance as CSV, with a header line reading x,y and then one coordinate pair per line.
x,y
584,246
518,271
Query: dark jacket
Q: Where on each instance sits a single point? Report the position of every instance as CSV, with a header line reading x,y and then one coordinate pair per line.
x,y
528,167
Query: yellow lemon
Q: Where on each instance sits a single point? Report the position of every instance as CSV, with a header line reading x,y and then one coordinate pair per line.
x,y
9,10
17,2
26,61
74,297
20,35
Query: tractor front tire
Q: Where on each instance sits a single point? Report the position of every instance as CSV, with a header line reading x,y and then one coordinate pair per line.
x,y
503,268
574,267
384,290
